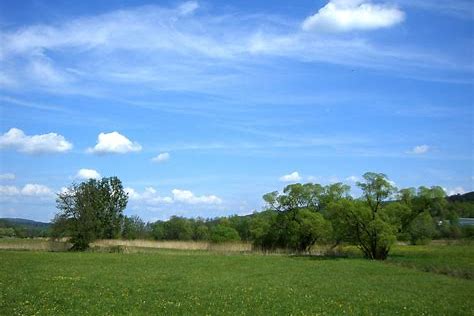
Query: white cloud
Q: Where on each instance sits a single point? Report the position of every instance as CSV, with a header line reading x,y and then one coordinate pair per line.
x,y
45,143
188,197
30,189
454,191
114,143
8,190
353,179
188,7
419,150
348,15
88,174
132,194
141,46
161,157
7,176
36,190
292,177
151,197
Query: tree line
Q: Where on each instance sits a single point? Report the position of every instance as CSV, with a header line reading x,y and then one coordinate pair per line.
x,y
295,219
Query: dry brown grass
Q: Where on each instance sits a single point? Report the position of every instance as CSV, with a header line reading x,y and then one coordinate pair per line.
x,y
36,244
181,245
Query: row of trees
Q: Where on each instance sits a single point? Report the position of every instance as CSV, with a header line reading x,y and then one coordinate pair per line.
x,y
295,219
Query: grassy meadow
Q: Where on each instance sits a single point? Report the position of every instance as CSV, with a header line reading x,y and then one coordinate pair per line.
x,y
170,282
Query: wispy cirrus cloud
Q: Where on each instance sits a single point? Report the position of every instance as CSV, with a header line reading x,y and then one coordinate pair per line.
x,y
175,48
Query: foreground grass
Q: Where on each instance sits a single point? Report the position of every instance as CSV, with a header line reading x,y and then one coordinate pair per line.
x,y
198,282
455,260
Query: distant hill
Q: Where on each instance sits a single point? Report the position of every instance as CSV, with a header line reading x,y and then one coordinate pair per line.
x,y
466,197
20,227
25,222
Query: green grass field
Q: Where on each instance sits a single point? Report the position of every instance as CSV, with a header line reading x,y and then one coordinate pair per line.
x,y
167,282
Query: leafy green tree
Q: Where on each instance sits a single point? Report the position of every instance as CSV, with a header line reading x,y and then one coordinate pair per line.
x,y
421,229
365,222
261,233
222,233
311,196
7,232
310,228
353,221
92,210
133,227
201,232
158,230
178,228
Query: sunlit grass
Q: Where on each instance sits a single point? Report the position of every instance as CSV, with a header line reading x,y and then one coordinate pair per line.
x,y
164,282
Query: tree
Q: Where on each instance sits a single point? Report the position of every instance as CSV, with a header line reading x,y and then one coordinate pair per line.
x,y
133,227
223,233
365,222
353,221
178,228
421,229
299,222
91,210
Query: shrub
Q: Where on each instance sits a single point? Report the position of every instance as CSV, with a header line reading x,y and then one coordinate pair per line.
x,y
221,233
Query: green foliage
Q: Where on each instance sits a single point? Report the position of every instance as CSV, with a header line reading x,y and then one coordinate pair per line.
x,y
7,232
23,228
134,227
314,197
366,223
354,221
222,233
421,229
178,228
91,210
201,232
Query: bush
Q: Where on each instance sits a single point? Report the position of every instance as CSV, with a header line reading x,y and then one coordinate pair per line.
x,y
421,229
221,233
7,232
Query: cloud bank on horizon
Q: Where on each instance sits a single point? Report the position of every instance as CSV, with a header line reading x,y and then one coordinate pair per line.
x,y
216,104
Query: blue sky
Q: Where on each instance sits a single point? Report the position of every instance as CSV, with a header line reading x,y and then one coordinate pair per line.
x,y
202,107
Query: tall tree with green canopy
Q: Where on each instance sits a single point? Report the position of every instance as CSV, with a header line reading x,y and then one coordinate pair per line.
x,y
364,221
91,210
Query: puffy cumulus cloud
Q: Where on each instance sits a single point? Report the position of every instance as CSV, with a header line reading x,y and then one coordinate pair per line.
x,y
114,143
186,196
7,176
161,157
30,189
419,150
36,190
45,143
348,15
88,174
292,177
151,197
